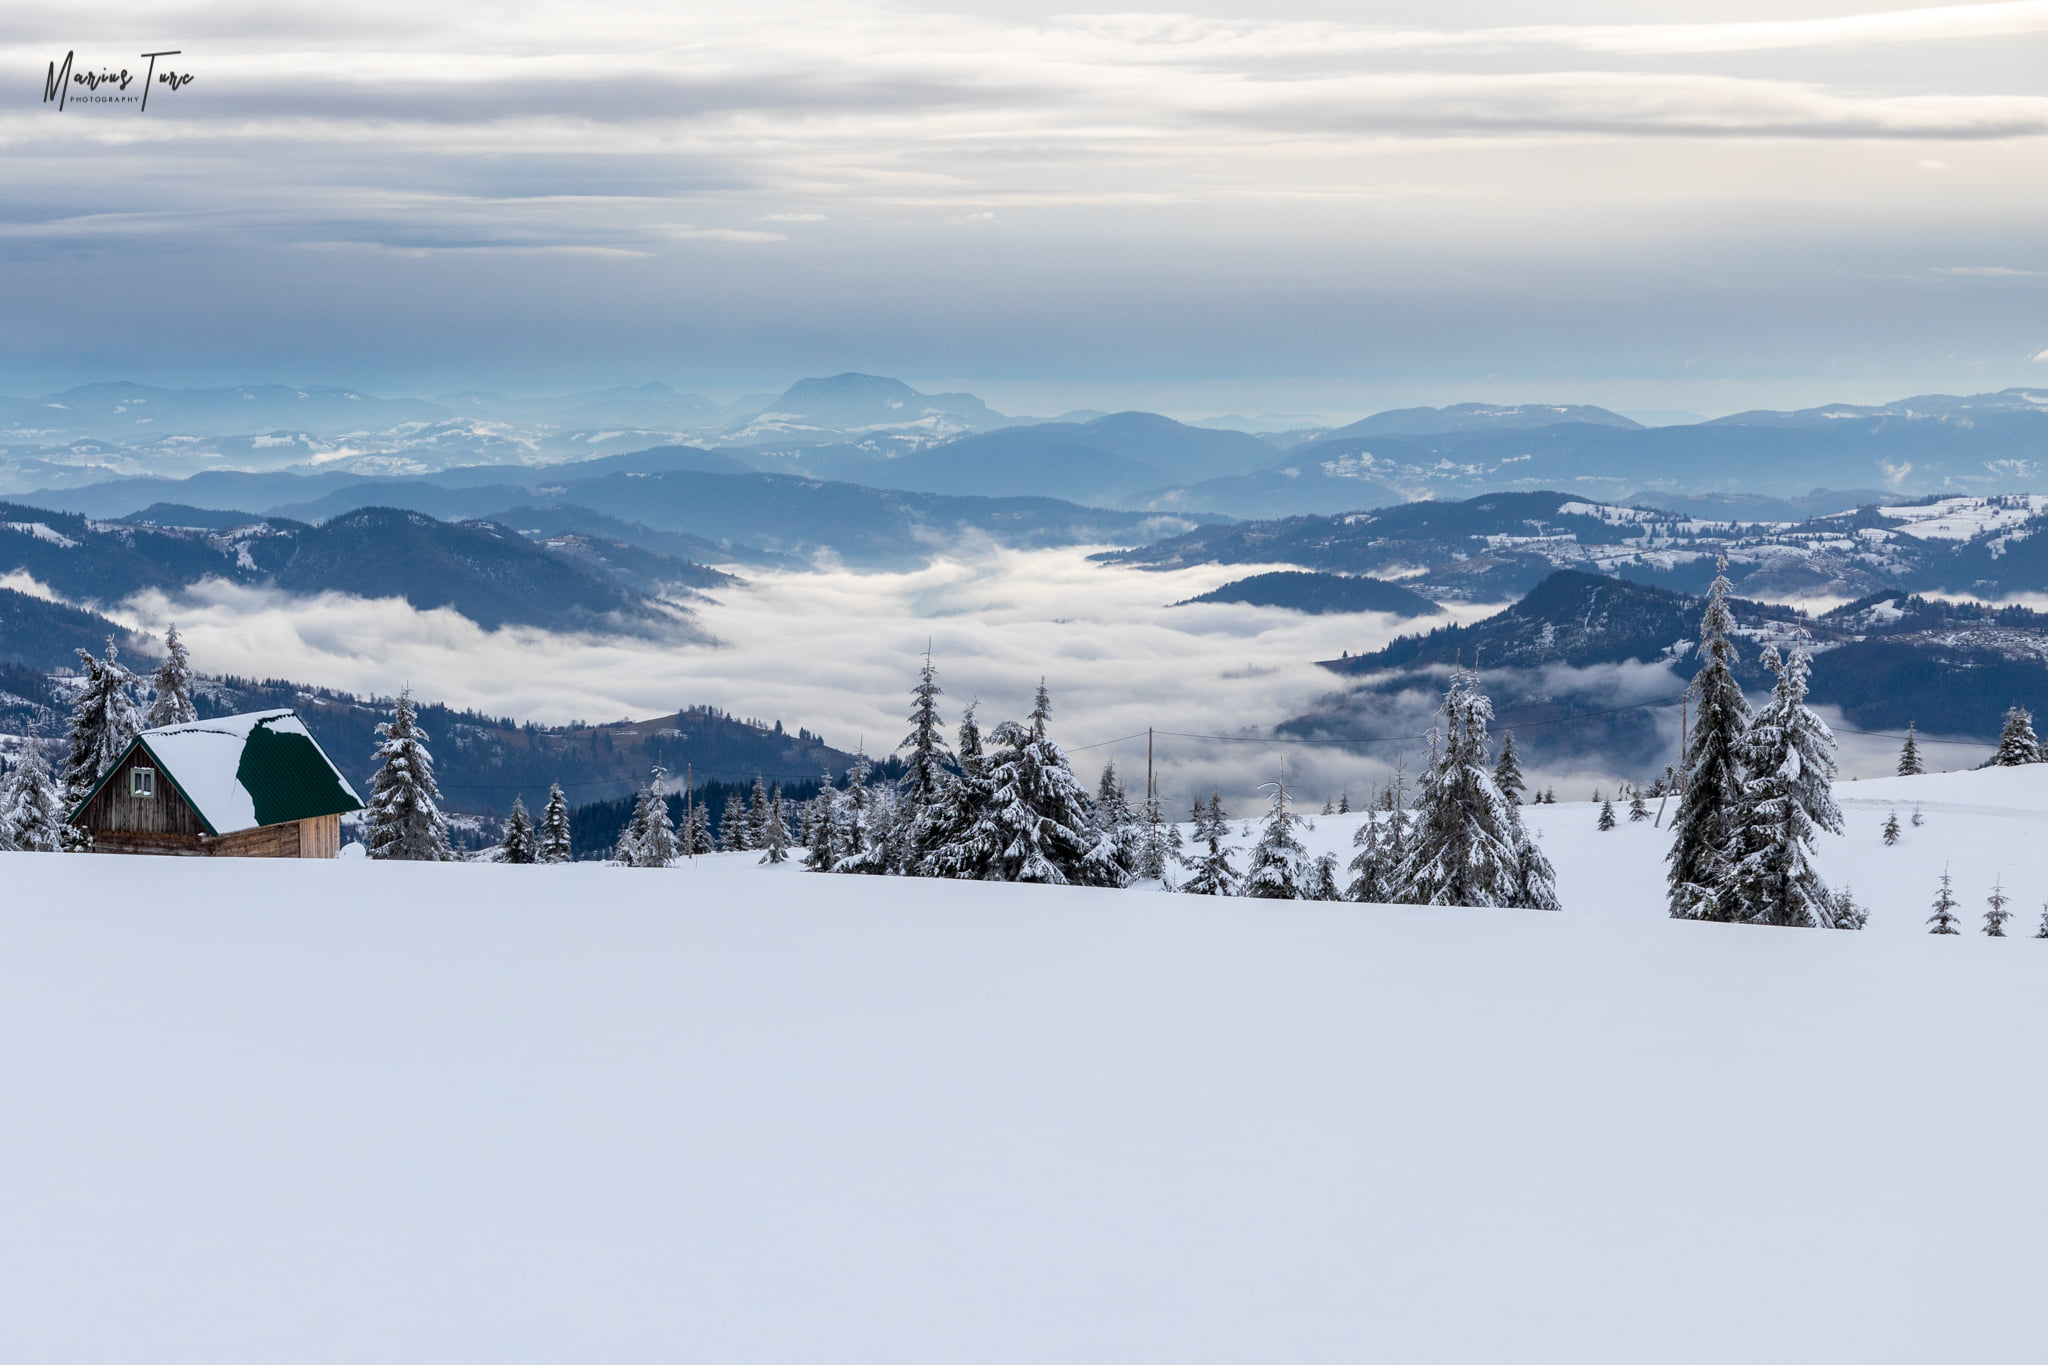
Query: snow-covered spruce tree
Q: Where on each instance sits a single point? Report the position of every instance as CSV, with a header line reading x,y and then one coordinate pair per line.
x,y
171,686
1162,842
403,822
1507,770
927,780
759,814
626,851
1710,796
1844,912
1464,848
1606,815
820,821
1120,838
1997,915
863,832
1790,753
104,717
775,838
1944,917
1637,810
520,844
554,828
1214,874
962,841
657,832
1038,812
1344,802
1323,884
733,820
2016,742
31,808
1918,819
2043,931
1891,829
1279,868
1909,756
1369,865
695,836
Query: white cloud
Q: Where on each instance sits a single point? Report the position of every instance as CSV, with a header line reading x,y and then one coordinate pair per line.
x,y
835,651
2039,357
793,218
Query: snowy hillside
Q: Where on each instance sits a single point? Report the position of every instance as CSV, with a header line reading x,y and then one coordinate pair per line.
x,y
264,1111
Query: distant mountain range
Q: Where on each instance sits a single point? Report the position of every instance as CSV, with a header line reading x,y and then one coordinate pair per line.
x,y
1498,546
1551,661
881,432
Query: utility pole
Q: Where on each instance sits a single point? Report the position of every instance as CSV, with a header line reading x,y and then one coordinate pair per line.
x,y
689,813
1151,784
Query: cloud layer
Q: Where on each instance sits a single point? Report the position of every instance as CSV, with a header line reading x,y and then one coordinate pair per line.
x,y
373,191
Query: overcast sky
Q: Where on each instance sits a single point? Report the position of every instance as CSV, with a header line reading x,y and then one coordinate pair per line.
x,y
1280,206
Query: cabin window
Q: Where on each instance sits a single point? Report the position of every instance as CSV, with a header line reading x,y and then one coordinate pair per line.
x,y
142,782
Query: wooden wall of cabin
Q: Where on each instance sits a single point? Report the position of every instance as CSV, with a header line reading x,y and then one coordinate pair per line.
x,y
115,811
320,837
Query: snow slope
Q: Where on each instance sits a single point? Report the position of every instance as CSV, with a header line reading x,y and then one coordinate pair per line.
x,y
346,1112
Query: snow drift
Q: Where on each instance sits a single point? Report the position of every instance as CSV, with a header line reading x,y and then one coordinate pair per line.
x,y
351,1111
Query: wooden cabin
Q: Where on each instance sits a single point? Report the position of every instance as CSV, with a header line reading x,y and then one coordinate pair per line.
x,y
254,786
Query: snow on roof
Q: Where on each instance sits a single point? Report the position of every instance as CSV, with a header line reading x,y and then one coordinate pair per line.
x,y
239,772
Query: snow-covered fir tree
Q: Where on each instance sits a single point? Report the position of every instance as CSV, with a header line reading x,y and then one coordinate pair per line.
x,y
404,822
31,808
554,828
1891,829
1710,795
171,686
2016,742
758,814
863,830
1120,836
2042,932
1789,753
1344,802
927,784
695,836
1280,868
775,838
1843,911
734,819
1213,873
104,717
655,844
961,839
521,844
1944,918
1996,916
1463,850
1637,810
626,849
1162,842
1323,884
1038,812
1909,755
1507,770
1370,865
1918,819
820,847
1606,815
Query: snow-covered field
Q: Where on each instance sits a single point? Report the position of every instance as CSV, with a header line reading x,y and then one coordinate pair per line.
x,y
352,1112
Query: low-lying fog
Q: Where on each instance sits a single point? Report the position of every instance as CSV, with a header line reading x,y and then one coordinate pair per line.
x,y
837,652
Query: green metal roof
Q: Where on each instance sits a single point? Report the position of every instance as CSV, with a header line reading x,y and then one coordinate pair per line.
x,y
288,778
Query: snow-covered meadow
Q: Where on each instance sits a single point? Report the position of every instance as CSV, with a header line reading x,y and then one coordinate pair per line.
x,y
353,1111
